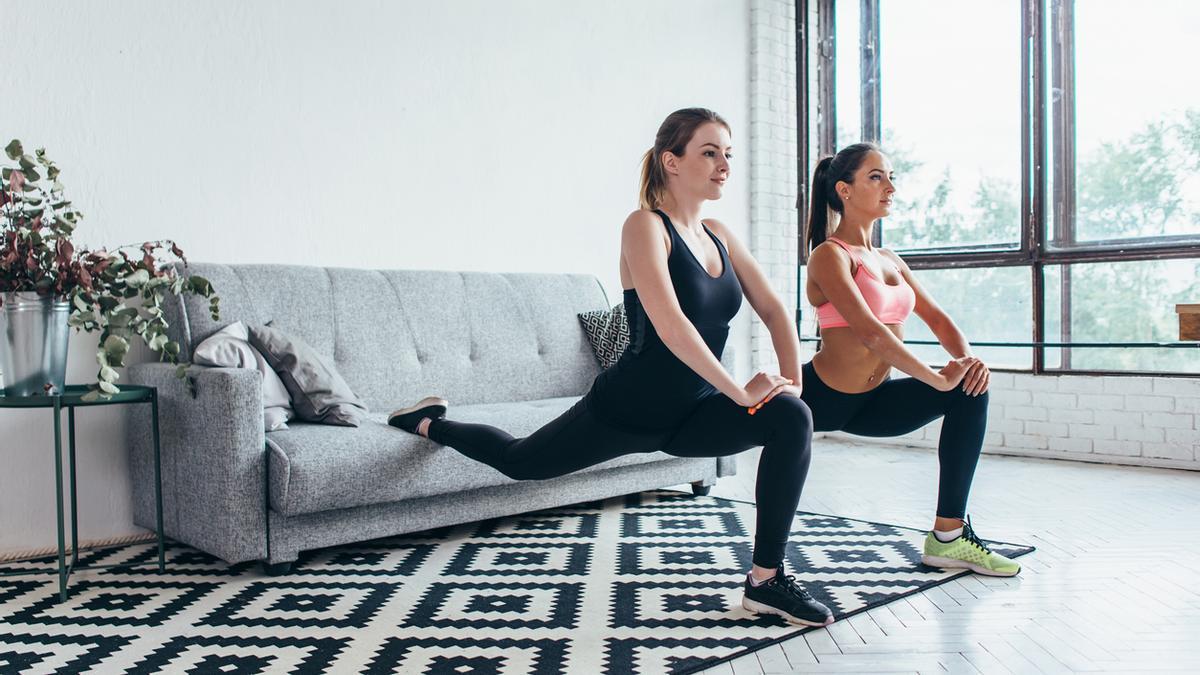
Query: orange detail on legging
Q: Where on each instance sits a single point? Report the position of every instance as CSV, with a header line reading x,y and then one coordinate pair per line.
x,y
890,304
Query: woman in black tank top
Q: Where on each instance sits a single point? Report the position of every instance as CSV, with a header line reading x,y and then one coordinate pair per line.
x,y
649,388
684,278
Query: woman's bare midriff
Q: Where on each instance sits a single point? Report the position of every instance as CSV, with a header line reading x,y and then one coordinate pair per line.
x,y
846,365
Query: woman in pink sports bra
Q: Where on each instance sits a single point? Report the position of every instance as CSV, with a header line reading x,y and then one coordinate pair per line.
x,y
863,295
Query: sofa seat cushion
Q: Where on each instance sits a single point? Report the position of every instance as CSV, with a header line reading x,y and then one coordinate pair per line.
x,y
316,467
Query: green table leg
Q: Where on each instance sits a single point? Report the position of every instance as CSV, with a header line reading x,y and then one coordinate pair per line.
x,y
74,507
58,477
157,480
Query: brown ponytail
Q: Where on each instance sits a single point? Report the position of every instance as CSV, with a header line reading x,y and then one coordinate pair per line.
x,y
673,136
654,182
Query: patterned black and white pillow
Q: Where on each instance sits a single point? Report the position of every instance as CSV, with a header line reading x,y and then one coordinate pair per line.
x,y
608,331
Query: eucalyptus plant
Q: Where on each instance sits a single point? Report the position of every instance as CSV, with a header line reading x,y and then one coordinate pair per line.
x,y
118,292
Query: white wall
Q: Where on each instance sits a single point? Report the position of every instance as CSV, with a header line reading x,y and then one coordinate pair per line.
x,y
1112,419
1146,421
773,217
443,135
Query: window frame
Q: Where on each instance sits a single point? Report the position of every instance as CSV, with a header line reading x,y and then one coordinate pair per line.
x,y
1034,250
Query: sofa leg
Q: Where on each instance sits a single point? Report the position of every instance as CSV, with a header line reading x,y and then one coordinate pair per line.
x,y
276,569
700,489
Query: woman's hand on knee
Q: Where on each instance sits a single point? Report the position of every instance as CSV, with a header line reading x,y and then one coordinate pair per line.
x,y
976,379
791,389
762,388
954,373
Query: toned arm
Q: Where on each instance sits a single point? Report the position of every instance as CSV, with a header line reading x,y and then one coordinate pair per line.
x,y
940,323
976,380
829,268
765,301
645,251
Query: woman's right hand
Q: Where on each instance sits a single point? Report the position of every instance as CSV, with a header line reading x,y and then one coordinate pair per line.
x,y
952,374
761,386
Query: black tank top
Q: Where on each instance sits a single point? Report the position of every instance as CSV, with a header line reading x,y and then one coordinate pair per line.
x,y
649,388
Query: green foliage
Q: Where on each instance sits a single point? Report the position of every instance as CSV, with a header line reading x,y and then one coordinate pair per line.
x,y
1130,187
1133,187
118,292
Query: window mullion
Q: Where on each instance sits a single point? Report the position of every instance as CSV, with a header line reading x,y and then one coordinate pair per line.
x,y
869,70
870,84
826,77
1062,56
1063,83
802,151
1033,162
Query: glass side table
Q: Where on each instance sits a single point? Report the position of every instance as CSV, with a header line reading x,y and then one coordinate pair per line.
x,y
71,399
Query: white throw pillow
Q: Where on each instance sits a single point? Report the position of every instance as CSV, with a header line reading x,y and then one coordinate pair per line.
x,y
230,348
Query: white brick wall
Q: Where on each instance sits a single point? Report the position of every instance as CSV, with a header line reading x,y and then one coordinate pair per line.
x,y
773,180
1151,421
1130,420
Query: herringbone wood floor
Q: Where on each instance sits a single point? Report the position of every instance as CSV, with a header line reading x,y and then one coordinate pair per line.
x,y
1112,587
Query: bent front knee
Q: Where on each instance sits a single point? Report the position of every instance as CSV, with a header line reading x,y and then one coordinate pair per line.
x,y
790,411
961,397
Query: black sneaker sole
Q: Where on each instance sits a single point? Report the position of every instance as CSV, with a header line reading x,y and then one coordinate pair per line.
x,y
760,608
407,419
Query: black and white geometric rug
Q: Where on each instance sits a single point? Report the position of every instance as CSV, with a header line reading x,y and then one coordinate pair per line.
x,y
647,583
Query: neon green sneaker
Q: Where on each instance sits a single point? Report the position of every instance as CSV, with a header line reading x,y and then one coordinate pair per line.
x,y
968,551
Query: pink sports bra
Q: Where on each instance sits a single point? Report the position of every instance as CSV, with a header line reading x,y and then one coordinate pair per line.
x,y
890,304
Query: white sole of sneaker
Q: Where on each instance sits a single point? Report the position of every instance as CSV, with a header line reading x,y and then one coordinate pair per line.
x,y
951,563
759,608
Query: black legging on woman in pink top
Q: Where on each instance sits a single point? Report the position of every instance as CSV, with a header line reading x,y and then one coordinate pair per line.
x,y
899,406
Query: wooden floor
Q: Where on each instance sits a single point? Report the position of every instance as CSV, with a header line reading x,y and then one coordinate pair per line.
x,y
1114,585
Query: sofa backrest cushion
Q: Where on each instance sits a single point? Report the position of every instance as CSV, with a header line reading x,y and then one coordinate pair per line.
x,y
398,335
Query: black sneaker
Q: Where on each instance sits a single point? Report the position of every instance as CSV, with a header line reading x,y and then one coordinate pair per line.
x,y
781,596
408,418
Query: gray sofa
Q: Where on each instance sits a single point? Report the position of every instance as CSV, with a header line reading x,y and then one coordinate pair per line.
x,y
504,349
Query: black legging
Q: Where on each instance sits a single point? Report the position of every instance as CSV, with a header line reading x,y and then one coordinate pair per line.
x,y
716,428
897,407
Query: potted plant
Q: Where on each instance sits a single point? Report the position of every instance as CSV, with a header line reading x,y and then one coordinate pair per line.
x,y
118,292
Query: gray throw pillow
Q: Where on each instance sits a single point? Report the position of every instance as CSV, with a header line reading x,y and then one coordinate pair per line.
x,y
318,393
608,332
230,348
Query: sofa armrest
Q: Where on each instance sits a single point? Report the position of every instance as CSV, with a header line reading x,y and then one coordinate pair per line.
x,y
213,459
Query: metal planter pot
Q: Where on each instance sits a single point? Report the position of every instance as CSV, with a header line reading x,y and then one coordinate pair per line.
x,y
34,351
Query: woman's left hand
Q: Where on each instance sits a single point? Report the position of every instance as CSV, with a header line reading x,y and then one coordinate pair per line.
x,y
976,381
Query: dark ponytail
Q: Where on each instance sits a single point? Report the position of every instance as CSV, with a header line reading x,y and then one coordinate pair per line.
x,y
818,210
829,172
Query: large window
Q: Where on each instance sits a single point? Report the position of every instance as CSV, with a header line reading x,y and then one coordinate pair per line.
x,y
1047,155
1128,302
947,100
998,300
1135,124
